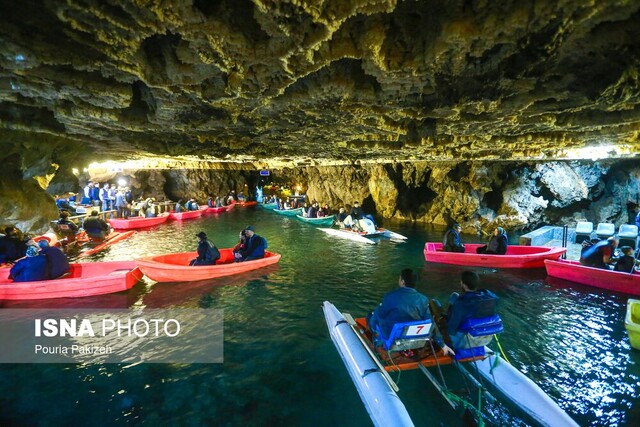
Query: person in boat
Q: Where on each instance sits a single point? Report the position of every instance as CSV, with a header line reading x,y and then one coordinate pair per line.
x,y
57,262
627,262
218,202
451,241
254,247
342,215
178,206
320,213
67,228
599,255
326,210
237,249
208,253
63,205
95,227
497,244
312,212
210,202
356,211
403,304
11,246
473,302
31,268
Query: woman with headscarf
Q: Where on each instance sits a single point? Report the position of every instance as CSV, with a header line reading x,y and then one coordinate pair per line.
x,y
497,244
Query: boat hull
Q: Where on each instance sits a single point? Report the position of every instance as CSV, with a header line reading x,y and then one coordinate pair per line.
x,y
85,279
326,220
180,216
176,268
137,222
628,283
288,212
351,235
247,204
382,403
207,210
516,256
632,322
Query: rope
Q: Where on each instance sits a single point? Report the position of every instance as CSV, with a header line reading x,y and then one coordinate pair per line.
x,y
501,351
476,411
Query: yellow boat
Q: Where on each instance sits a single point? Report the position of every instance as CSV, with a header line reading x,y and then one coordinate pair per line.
x,y
632,322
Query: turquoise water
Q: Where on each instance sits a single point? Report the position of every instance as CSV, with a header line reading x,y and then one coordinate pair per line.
x,y
280,365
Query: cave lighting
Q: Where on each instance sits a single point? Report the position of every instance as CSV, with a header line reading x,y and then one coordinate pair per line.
x,y
75,171
596,153
122,182
19,58
298,188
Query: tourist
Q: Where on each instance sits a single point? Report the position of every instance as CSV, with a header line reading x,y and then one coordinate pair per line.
x,y
356,211
86,193
95,227
104,197
210,202
95,194
599,254
627,261
255,245
178,207
208,254
471,303
11,246
638,218
67,228
403,304
239,247
57,262
218,202
121,205
451,241
326,210
31,268
341,217
497,244
312,212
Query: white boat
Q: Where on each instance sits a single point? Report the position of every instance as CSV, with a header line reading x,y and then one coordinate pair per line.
x,y
352,339
371,380
351,235
521,391
392,235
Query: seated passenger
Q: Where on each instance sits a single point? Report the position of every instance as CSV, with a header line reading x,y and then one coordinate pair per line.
x,y
451,241
472,303
627,262
32,268
237,249
497,244
208,254
400,305
178,206
312,212
67,228
340,218
95,227
11,247
210,202
57,262
599,254
254,247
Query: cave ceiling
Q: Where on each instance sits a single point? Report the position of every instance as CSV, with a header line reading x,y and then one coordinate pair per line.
x,y
319,80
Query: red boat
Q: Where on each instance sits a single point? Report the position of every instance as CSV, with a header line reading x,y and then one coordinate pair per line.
x,y
137,222
84,279
516,256
628,283
111,239
179,216
247,204
176,268
207,210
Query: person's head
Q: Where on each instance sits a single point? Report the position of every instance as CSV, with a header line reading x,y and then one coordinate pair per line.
x,y
10,231
249,231
106,185
498,231
341,210
94,213
469,280
456,226
613,240
356,204
202,235
32,251
44,243
64,215
627,250
407,278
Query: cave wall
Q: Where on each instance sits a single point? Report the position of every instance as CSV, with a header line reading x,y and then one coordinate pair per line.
x,y
517,195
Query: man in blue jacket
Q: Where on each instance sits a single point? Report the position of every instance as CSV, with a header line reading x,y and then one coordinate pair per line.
x,y
400,305
32,268
57,262
254,246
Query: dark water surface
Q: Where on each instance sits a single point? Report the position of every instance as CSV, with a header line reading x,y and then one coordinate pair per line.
x,y
281,367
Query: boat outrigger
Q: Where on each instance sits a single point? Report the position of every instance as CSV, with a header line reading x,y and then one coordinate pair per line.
x,y
409,346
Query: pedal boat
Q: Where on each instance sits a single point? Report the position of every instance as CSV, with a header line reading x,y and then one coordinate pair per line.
x,y
517,256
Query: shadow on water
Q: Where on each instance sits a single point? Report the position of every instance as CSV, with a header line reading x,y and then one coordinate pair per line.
x,y
280,366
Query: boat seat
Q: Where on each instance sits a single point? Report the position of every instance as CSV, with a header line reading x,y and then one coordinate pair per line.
x,y
605,230
628,235
583,231
406,335
478,332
